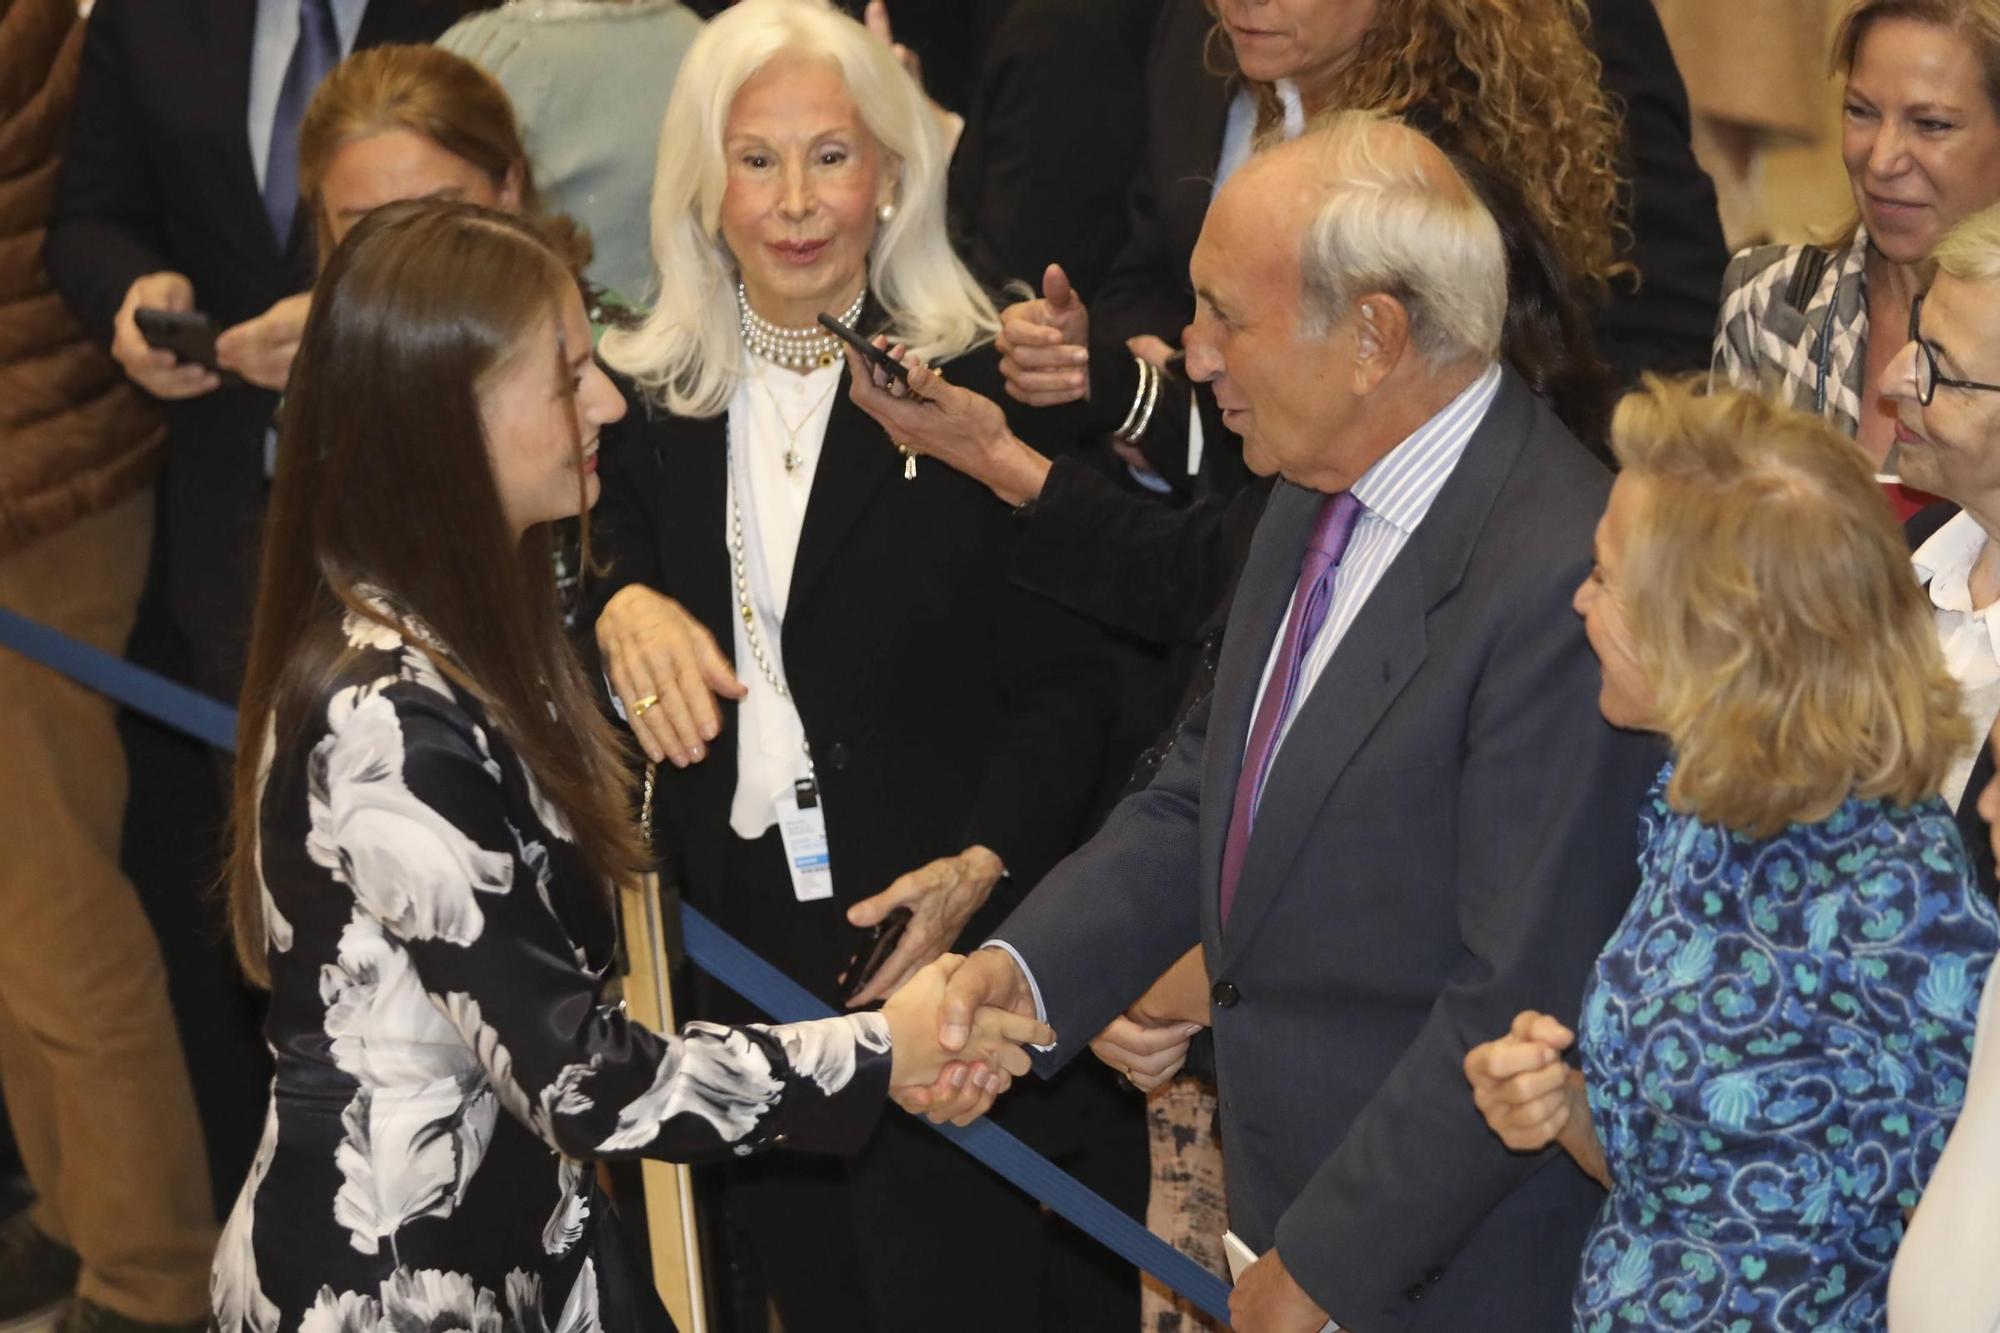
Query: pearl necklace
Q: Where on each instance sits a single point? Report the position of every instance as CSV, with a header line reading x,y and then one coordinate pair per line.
x,y
794,349
745,607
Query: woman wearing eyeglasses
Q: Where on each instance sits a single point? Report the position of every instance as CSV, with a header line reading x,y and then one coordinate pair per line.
x,y
1920,138
1945,385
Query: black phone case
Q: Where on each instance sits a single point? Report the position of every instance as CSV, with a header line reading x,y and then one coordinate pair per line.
x,y
188,335
890,364
868,959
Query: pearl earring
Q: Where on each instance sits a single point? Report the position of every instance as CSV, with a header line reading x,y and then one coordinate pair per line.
x,y
887,213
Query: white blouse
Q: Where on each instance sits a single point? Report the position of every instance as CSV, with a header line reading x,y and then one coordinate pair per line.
x,y
1970,638
773,411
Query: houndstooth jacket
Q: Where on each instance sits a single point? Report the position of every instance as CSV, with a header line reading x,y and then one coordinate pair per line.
x,y
1766,343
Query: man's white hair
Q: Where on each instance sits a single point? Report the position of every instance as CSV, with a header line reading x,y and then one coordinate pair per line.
x,y
689,352
1397,218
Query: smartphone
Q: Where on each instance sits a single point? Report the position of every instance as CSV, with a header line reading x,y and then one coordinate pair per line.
x,y
188,334
895,368
868,959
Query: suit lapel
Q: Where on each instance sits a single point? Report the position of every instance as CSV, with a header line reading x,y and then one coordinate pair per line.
x,y
855,462
1381,652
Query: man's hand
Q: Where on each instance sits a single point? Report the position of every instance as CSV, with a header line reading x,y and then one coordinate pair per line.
x,y
989,978
261,349
659,656
1045,345
154,370
916,1058
941,896
1267,1300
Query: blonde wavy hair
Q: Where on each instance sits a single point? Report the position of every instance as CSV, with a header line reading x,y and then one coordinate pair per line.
x,y
688,353
1511,82
1768,592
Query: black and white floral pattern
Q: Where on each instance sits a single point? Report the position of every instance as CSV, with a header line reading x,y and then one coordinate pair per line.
x,y
446,1065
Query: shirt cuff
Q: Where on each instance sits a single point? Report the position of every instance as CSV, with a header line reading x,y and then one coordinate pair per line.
x,y
1041,1010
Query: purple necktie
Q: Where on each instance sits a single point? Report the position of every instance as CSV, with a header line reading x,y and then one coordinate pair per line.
x,y
1310,603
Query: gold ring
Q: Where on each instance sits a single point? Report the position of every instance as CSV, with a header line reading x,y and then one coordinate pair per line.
x,y
639,708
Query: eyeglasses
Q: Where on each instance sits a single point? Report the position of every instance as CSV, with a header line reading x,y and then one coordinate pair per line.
x,y
1928,378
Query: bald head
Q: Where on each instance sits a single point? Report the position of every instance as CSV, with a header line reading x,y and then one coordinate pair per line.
x,y
1349,285
1375,206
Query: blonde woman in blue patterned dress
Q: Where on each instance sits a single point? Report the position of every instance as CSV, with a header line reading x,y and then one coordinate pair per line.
x,y
1775,1040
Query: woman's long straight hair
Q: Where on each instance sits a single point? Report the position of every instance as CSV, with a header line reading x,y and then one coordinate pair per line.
x,y
383,482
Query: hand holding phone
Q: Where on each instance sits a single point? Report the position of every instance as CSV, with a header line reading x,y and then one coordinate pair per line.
x,y
868,959
891,367
188,334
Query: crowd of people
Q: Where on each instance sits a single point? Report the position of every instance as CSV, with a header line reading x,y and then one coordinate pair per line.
x,y
1266,539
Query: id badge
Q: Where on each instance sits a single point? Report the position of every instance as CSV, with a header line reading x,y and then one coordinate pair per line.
x,y
802,826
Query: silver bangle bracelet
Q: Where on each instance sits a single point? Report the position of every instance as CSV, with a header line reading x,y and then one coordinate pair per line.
x,y
1138,399
1138,430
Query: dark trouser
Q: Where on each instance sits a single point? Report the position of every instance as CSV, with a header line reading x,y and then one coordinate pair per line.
x,y
913,1234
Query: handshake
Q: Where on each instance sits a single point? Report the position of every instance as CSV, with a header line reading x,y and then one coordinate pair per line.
x,y
958,1030
959,1027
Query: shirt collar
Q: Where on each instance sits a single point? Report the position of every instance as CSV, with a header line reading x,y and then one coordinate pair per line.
x,y
1944,563
1401,486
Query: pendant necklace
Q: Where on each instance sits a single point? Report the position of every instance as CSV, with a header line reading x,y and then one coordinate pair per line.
x,y
793,459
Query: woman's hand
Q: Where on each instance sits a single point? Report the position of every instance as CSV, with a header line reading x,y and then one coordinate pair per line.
x,y
1146,1053
668,671
942,897
1045,344
961,429
993,1048
1149,1044
1529,1097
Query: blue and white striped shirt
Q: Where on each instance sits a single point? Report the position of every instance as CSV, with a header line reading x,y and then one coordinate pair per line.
x,y
1395,494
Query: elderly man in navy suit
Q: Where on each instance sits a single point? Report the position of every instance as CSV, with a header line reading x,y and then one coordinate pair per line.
x,y
1399,817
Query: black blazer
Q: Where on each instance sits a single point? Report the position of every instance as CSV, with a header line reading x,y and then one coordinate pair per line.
x,y
1052,141
944,707
159,176
1665,325
1976,832
1447,837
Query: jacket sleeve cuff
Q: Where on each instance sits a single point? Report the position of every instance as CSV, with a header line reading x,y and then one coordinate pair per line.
x,y
821,1111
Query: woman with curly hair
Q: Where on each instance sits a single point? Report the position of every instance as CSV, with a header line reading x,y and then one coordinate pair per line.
x,y
1521,84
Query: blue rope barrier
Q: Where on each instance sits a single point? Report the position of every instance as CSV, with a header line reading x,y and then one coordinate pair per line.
x,y
161,699
711,949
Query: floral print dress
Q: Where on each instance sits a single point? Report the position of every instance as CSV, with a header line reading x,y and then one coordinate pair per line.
x,y
1775,1043
445,1066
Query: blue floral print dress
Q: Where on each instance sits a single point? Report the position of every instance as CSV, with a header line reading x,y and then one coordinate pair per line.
x,y
1775,1043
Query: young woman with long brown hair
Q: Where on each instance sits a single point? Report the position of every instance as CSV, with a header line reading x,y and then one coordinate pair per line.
x,y
428,812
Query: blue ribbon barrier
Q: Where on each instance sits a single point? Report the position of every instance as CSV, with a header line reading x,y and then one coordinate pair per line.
x,y
713,950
